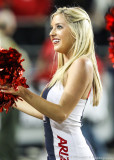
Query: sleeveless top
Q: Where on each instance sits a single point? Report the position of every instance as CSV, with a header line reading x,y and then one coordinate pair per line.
x,y
65,141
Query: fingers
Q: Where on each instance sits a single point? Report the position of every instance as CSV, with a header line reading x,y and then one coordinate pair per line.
x,y
4,87
9,90
5,91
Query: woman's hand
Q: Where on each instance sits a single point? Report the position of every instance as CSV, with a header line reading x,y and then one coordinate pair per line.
x,y
11,90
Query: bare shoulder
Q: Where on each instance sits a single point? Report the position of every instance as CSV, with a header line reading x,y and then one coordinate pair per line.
x,y
80,76
81,71
82,64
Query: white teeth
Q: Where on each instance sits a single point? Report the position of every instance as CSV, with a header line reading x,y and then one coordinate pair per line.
x,y
55,40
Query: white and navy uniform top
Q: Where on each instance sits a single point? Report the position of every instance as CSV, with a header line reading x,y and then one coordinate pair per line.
x,y
65,141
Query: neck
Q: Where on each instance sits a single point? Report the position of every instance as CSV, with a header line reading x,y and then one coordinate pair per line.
x,y
67,57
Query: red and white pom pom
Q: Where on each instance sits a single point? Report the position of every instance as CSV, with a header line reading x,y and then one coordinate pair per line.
x,y
11,74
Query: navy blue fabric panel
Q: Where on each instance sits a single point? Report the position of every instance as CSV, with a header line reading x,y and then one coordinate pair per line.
x,y
50,158
45,93
48,132
49,139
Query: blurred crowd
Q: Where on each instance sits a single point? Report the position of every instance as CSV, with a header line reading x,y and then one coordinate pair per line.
x,y
25,25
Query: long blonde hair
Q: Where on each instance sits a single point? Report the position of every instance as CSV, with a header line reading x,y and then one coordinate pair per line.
x,y
81,29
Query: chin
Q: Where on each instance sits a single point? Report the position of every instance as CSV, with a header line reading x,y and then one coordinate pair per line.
x,y
58,50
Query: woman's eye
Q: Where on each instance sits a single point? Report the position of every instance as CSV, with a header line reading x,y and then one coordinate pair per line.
x,y
59,27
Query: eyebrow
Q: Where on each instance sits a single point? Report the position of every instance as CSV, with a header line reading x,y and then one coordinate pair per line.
x,y
58,23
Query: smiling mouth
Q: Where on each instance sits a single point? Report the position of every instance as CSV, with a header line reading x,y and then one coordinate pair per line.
x,y
55,41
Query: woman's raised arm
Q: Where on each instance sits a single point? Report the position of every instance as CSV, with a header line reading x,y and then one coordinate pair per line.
x,y
77,83
23,106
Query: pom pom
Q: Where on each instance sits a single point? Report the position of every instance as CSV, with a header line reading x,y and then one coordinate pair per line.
x,y
110,27
11,74
110,20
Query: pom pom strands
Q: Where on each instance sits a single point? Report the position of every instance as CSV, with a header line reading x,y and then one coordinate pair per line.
x,y
11,72
110,27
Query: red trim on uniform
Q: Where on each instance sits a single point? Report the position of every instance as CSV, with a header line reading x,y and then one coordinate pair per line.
x,y
88,94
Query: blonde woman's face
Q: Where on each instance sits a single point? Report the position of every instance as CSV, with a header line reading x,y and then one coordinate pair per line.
x,y
60,34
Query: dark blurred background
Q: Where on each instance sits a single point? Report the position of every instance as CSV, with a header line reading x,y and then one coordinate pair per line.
x,y
25,25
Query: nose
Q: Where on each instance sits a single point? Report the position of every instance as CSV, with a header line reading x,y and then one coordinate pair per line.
x,y
52,32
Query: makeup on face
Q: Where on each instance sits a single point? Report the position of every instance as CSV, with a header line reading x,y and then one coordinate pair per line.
x,y
60,34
